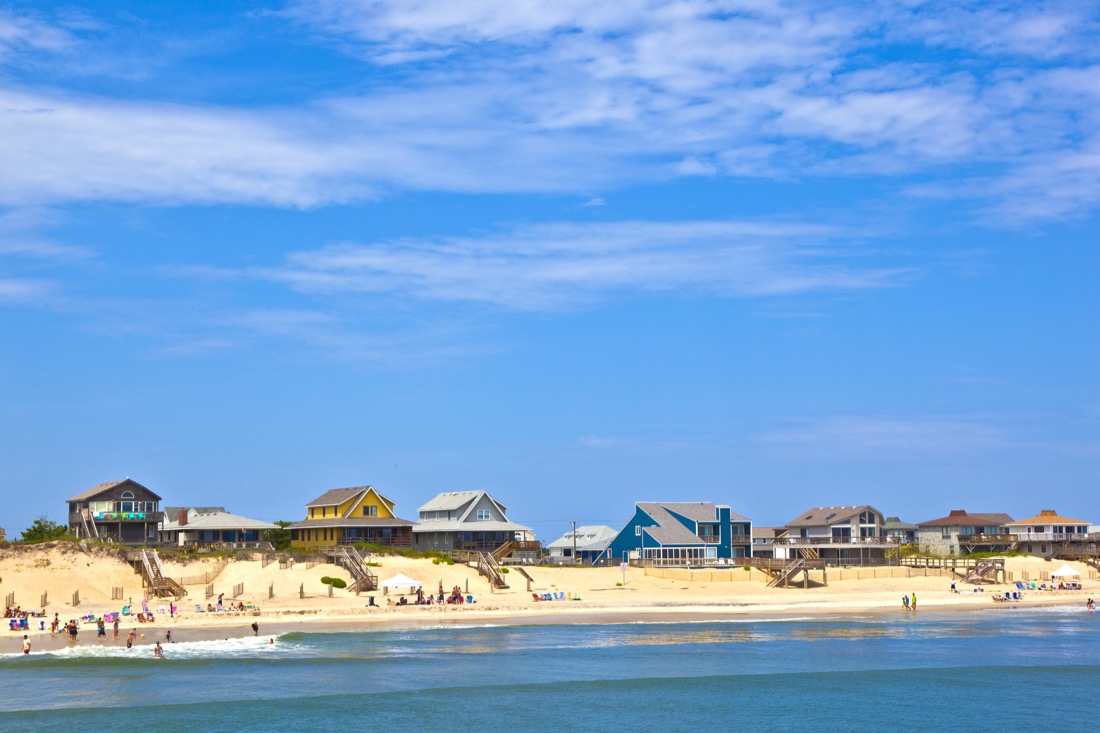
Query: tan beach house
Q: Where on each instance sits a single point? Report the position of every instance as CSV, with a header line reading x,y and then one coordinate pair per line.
x,y
116,511
839,535
351,516
1051,535
963,533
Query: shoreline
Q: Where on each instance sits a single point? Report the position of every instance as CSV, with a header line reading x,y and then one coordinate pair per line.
x,y
275,624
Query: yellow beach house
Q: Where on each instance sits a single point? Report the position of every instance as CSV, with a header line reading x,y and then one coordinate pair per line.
x,y
351,516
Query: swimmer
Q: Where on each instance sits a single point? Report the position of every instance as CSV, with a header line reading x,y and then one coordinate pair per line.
x,y
158,651
269,641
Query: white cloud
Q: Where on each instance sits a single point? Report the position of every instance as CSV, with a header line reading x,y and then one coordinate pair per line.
x,y
565,266
580,96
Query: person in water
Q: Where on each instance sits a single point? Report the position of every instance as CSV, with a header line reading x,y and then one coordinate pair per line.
x,y
158,650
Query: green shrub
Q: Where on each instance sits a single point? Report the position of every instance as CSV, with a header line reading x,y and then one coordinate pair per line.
x,y
338,583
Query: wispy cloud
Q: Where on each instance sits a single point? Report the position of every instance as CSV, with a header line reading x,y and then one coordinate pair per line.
x,y
871,437
566,266
576,96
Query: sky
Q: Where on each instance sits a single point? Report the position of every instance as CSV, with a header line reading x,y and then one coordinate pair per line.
x,y
766,253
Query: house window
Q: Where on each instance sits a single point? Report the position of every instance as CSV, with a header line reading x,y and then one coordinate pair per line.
x,y
370,511
483,515
638,531
127,495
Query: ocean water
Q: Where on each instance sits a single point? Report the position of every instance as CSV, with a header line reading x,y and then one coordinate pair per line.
x,y
997,670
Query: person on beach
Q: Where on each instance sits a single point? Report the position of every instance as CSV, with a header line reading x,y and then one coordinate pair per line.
x,y
913,602
255,628
171,610
168,636
130,638
72,631
55,623
1089,606
116,627
26,644
220,596
953,587
905,602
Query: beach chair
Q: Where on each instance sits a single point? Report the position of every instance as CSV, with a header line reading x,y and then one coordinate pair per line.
x,y
1016,595
536,596
199,608
1020,585
469,599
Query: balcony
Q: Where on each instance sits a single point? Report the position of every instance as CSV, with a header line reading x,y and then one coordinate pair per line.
x,y
1054,537
988,539
402,541
76,518
837,541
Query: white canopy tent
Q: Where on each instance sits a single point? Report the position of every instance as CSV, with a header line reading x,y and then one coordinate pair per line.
x,y
401,581
1065,572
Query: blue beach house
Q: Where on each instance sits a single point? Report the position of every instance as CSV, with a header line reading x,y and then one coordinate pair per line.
x,y
680,533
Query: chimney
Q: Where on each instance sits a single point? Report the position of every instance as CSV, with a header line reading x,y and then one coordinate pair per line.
x,y
183,517
958,513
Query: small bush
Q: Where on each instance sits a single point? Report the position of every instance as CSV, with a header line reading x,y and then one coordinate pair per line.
x,y
338,583
504,570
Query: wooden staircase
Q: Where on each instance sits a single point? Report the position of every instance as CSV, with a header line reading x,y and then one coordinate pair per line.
x,y
984,572
154,575
809,553
504,550
783,577
89,521
487,566
349,558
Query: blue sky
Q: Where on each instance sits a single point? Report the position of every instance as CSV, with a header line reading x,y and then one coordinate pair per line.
x,y
579,254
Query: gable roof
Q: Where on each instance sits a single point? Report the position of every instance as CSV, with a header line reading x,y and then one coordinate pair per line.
x,y
962,518
896,523
453,500
1049,516
107,485
336,497
669,530
819,516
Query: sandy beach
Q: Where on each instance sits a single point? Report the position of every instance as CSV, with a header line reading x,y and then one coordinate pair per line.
x,y
298,600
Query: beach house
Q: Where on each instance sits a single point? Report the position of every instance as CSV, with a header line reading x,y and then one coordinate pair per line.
x,y
963,533
212,526
471,521
1051,535
584,545
351,516
116,511
681,533
763,541
900,532
839,535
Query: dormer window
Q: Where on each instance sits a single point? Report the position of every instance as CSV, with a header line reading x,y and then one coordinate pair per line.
x,y
483,515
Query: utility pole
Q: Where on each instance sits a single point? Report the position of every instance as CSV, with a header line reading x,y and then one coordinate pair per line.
x,y
574,541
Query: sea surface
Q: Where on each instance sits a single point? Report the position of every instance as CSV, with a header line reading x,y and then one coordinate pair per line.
x,y
1005,669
